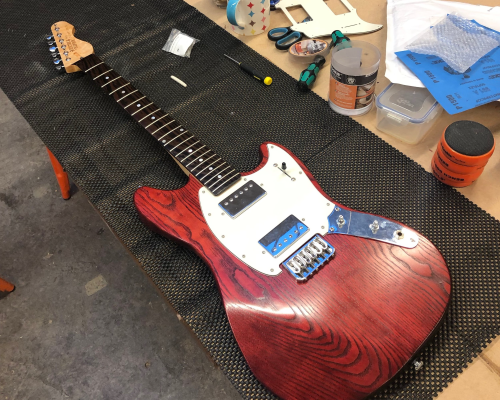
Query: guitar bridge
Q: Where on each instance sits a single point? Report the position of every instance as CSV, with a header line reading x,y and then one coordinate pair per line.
x,y
312,255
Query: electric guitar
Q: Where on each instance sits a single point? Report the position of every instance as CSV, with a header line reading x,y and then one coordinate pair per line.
x,y
325,302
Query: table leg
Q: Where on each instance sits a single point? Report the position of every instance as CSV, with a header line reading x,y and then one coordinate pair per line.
x,y
5,288
61,175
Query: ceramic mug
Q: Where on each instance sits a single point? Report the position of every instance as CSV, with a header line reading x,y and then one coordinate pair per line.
x,y
249,17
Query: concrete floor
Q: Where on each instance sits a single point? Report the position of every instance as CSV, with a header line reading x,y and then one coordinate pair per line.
x,y
84,321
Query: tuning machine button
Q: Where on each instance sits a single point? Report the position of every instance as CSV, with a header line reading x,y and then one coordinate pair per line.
x,y
52,43
49,37
56,54
60,67
57,61
52,49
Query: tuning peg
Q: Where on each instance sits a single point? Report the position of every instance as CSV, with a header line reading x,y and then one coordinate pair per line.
x,y
53,49
60,67
52,43
57,61
49,37
56,54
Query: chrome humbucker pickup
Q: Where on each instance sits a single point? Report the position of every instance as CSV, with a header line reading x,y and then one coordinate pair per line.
x,y
240,200
309,258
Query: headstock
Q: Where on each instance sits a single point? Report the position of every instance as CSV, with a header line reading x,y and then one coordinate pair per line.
x,y
65,48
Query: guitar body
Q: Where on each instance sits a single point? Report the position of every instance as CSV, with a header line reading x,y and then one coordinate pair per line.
x,y
341,334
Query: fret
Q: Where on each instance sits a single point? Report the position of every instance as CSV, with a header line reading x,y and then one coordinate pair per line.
x,y
189,155
213,170
207,165
140,109
126,95
181,143
199,156
128,83
102,62
110,81
157,119
103,74
143,118
171,130
171,140
219,172
187,148
214,173
236,174
220,178
135,101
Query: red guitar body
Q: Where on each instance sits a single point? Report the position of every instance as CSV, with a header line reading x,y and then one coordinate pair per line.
x,y
342,334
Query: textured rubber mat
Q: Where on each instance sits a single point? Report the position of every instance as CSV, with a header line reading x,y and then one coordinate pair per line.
x,y
108,155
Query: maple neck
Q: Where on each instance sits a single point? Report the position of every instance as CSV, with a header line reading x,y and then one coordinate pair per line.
x,y
204,164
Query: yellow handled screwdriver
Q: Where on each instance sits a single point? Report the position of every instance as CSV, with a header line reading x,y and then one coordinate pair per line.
x,y
250,71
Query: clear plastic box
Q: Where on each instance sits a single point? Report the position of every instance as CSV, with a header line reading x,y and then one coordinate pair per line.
x,y
406,112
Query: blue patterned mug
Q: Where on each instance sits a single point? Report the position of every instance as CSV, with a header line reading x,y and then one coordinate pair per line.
x,y
249,17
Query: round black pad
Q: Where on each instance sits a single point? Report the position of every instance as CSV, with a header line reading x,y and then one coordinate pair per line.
x,y
469,138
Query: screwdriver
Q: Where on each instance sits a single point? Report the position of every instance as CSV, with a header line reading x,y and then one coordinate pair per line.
x,y
308,76
250,71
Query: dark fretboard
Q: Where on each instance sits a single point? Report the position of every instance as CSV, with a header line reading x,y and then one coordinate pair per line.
x,y
205,165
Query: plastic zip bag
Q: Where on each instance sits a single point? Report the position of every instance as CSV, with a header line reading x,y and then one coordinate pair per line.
x,y
179,43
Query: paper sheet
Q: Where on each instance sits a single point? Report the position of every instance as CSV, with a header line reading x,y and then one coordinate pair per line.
x,y
407,19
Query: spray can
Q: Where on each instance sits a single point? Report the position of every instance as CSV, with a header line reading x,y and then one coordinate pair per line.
x,y
353,75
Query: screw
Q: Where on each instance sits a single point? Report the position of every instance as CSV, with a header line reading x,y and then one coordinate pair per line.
x,y
202,191
209,214
223,236
327,204
272,269
293,179
300,172
303,219
418,365
243,256
332,229
263,252
337,209
322,227
275,165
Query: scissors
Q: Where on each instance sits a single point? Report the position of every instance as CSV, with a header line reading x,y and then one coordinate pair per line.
x,y
285,37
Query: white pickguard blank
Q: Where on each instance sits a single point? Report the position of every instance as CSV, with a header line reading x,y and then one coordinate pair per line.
x,y
284,197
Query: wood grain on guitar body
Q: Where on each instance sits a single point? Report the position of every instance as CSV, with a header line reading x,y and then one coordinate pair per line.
x,y
325,302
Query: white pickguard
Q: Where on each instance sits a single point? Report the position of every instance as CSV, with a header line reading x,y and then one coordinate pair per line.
x,y
284,197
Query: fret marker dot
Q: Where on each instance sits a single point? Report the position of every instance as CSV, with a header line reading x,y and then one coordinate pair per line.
x,y
200,160
163,141
107,77
211,168
181,130
138,105
123,91
219,176
190,150
153,117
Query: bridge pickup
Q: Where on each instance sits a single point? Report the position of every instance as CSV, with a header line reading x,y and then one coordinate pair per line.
x,y
242,199
305,261
283,235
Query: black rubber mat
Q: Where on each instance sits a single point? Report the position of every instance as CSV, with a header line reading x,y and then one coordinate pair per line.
x,y
109,156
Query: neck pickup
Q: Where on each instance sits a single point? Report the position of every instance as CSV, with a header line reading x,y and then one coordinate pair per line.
x,y
204,164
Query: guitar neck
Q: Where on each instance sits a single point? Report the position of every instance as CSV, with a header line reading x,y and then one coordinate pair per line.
x,y
204,164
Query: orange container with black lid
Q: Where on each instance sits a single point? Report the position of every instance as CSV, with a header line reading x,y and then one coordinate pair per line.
x,y
462,153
